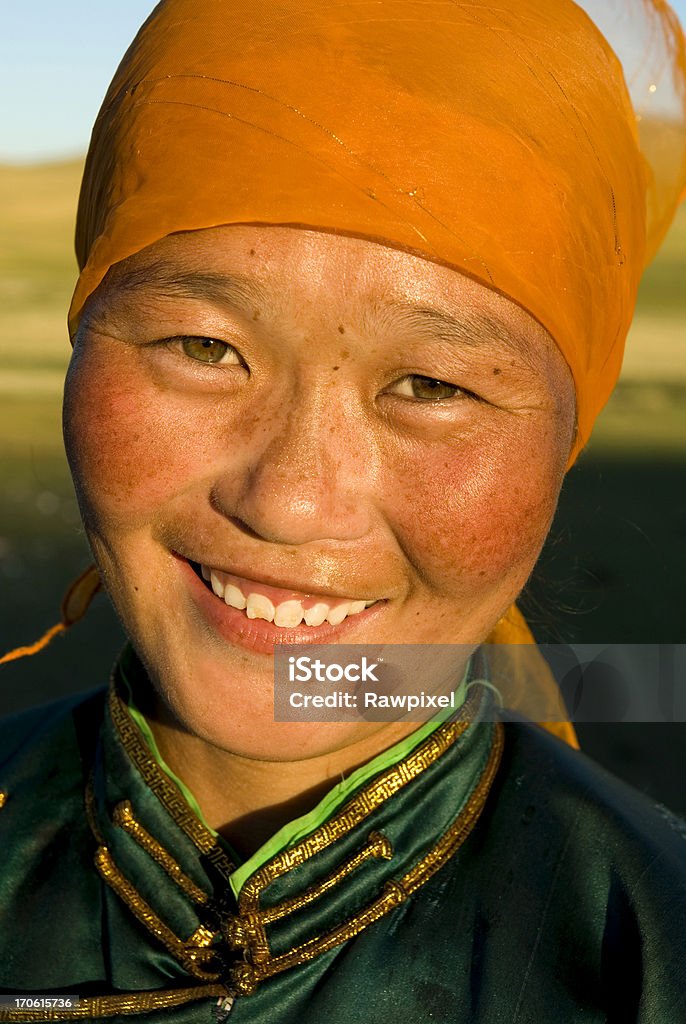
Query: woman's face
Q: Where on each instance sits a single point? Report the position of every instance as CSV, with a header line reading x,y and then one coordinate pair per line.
x,y
319,421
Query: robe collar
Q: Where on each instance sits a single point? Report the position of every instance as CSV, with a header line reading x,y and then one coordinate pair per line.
x,y
169,874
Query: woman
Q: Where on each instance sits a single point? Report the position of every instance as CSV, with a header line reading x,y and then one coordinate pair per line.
x,y
355,283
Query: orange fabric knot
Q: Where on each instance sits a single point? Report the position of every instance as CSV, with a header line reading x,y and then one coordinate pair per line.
x,y
74,606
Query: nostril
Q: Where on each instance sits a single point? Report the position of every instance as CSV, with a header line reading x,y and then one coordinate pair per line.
x,y
236,521
241,525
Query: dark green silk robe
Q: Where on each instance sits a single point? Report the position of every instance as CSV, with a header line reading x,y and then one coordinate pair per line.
x,y
493,876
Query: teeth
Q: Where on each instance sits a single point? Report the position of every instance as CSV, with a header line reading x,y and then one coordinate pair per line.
x,y
234,597
337,614
259,607
315,615
217,585
289,613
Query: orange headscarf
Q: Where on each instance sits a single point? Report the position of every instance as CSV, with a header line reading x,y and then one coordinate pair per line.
x,y
496,138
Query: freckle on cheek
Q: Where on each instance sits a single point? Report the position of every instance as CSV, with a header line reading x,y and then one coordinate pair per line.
x,y
464,522
125,457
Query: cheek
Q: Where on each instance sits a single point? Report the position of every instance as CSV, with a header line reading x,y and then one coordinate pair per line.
x,y
127,447
478,510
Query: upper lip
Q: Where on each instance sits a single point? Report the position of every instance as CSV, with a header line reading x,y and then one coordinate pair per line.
x,y
306,590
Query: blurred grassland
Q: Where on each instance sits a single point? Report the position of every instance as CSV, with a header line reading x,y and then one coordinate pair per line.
x,y
41,541
40,533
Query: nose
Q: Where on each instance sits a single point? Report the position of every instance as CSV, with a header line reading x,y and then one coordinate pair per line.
x,y
304,472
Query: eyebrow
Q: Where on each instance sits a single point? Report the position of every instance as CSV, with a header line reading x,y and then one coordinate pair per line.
x,y
470,329
171,281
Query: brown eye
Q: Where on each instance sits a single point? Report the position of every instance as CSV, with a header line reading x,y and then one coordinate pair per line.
x,y
208,350
425,389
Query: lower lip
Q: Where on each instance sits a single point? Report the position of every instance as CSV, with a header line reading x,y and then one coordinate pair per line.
x,y
258,635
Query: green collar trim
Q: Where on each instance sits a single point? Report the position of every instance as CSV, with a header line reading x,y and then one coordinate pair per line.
x,y
295,830
142,723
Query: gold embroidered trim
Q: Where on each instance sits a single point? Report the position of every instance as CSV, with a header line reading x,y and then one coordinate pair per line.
x,y
3,798
123,816
359,806
378,846
247,930
241,933
201,937
113,1005
449,842
192,954
162,786
247,976
259,964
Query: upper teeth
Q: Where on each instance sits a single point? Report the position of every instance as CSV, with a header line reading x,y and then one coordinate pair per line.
x,y
288,613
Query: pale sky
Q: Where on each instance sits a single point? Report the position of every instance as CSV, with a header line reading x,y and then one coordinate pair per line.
x,y
56,60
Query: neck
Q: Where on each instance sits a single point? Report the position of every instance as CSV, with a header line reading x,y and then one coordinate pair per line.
x,y
247,800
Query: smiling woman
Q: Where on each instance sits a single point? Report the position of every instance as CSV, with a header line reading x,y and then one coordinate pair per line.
x,y
355,282
311,419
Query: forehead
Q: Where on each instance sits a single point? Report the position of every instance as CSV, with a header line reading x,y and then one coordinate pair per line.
x,y
300,257
285,272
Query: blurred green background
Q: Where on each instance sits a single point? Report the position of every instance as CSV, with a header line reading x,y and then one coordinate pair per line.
x,y
612,570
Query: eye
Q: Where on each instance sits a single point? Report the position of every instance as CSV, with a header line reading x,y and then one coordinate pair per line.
x,y
426,389
206,350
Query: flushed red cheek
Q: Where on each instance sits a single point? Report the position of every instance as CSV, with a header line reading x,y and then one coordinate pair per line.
x,y
128,453
470,519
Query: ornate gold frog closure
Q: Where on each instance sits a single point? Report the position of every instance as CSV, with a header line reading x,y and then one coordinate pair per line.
x,y
194,953
124,817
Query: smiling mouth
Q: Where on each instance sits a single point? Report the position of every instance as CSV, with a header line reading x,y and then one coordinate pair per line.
x,y
282,608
